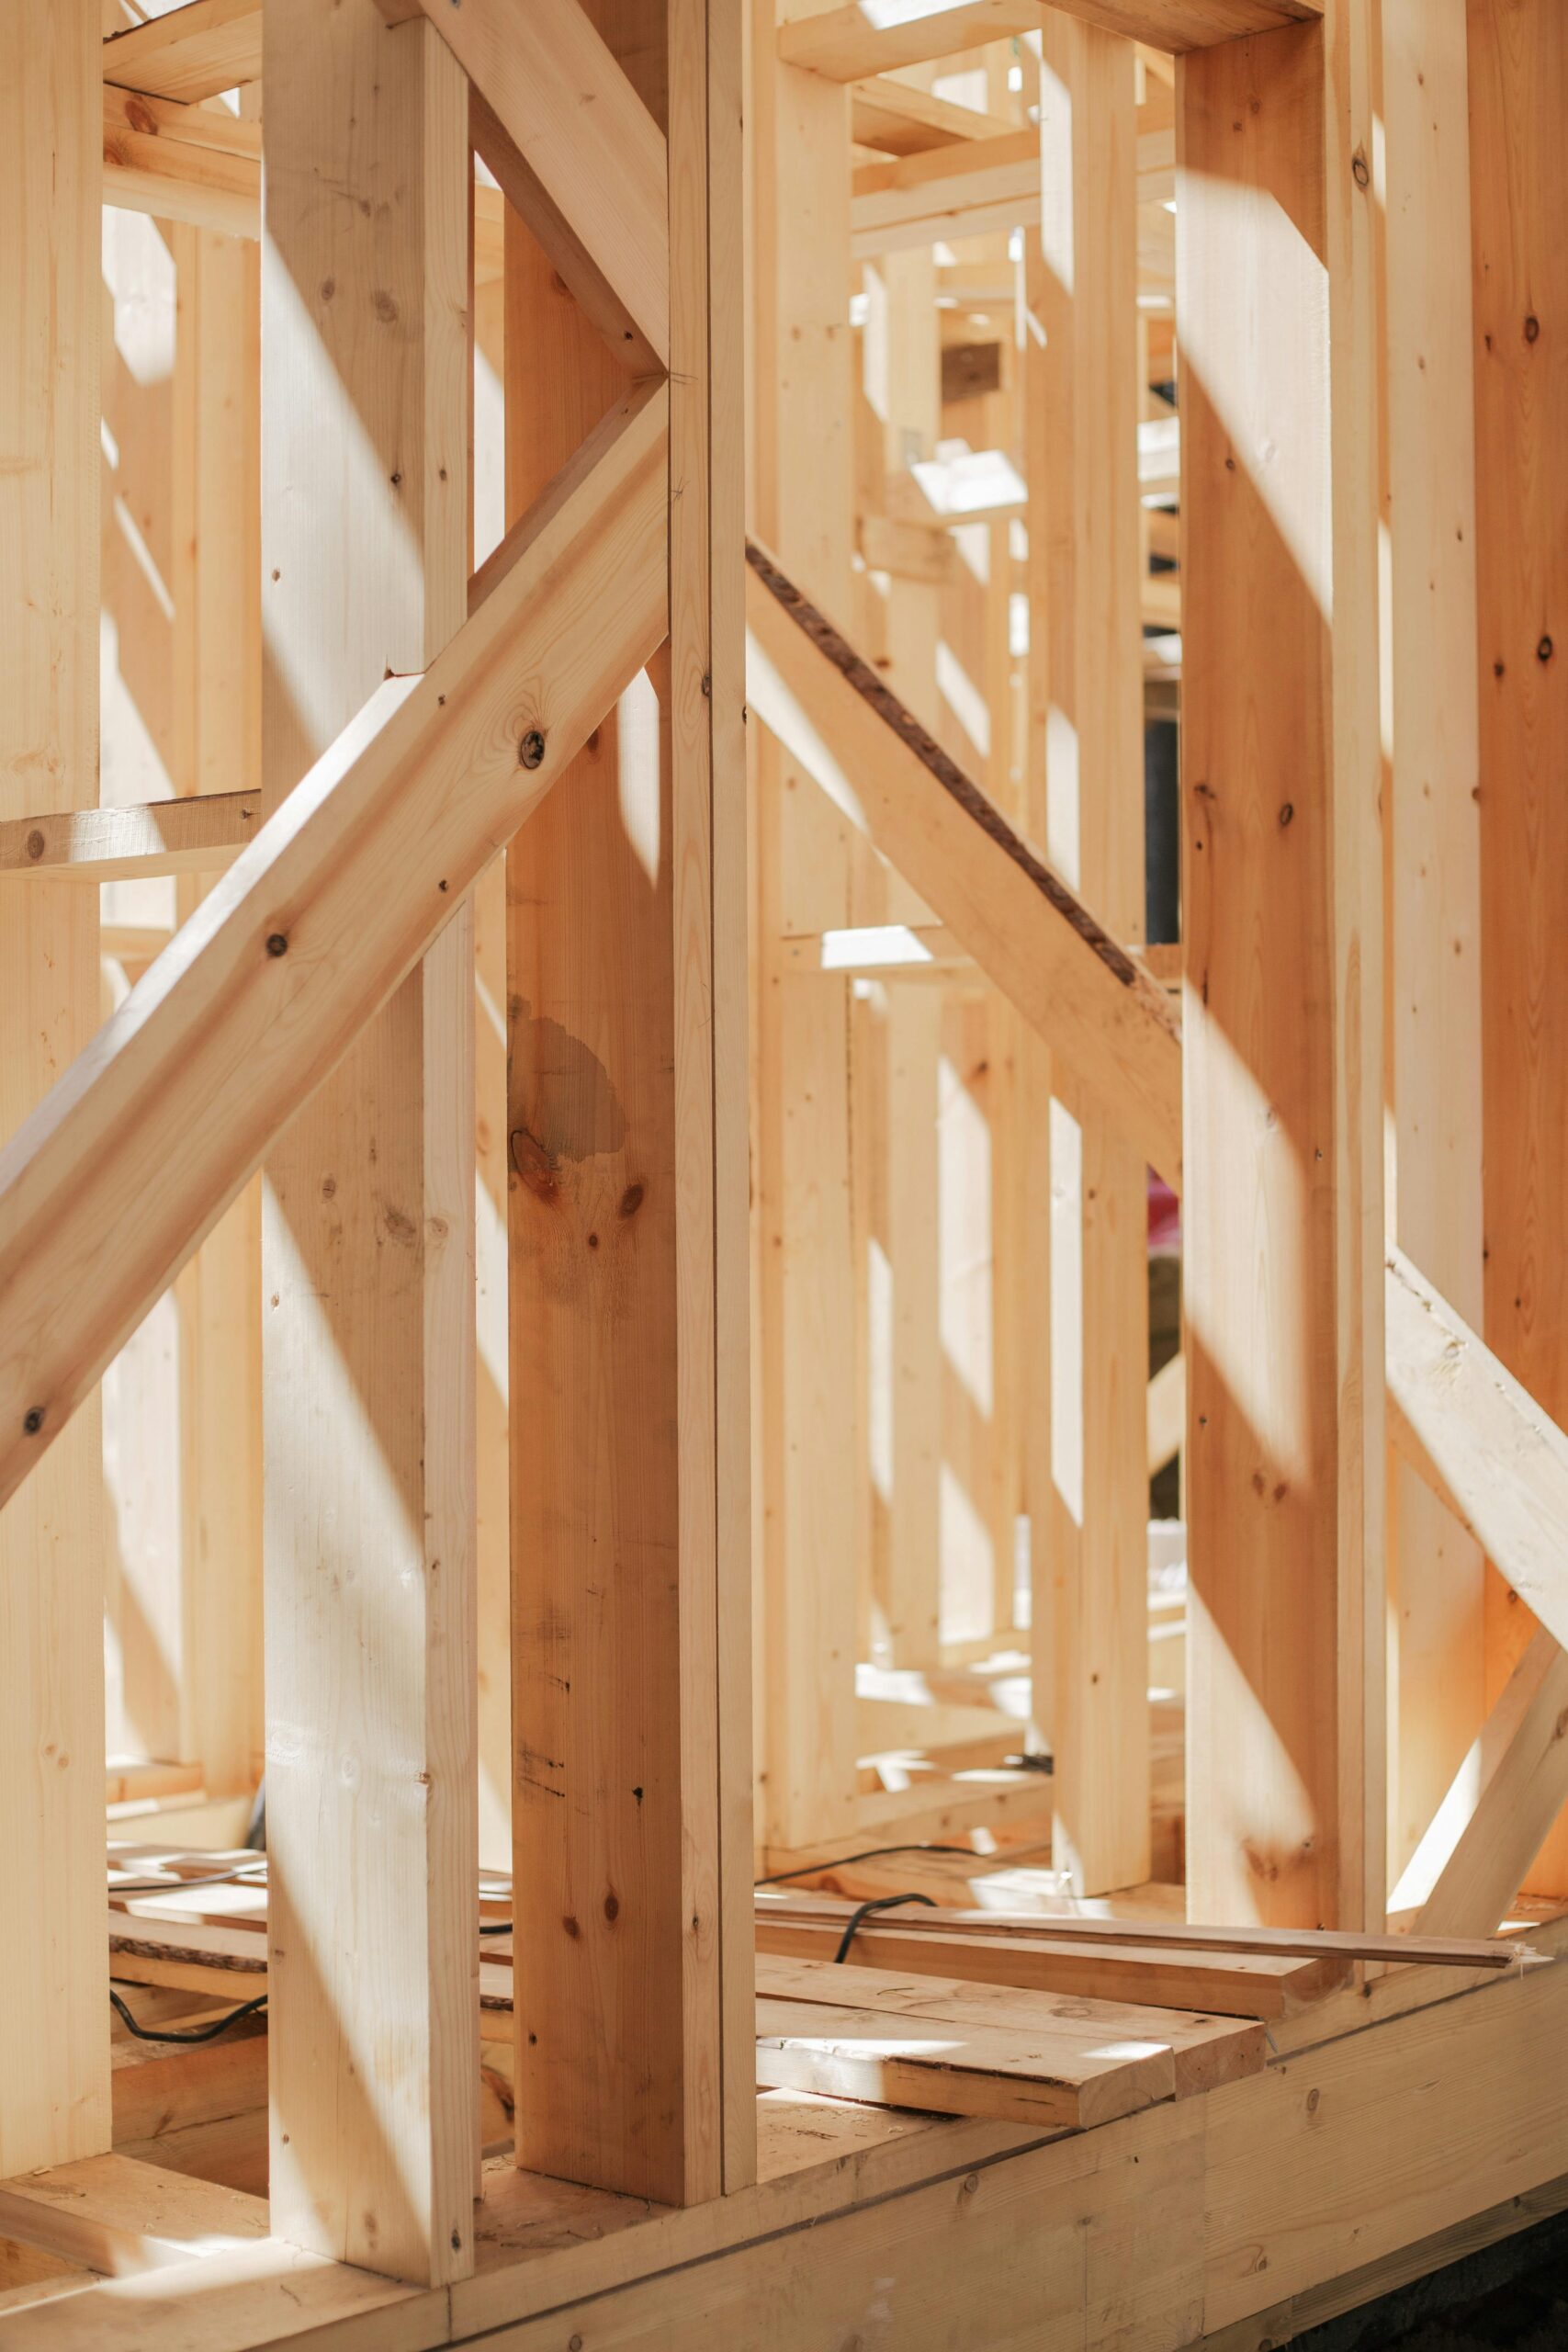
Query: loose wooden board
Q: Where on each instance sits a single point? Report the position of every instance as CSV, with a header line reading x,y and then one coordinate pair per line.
x,y
1204,2050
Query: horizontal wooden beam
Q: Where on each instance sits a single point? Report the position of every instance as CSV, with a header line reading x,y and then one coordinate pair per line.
x,y
199,835
188,163
1479,1441
952,191
1092,1000
848,42
900,119
577,152
108,1188
192,52
182,163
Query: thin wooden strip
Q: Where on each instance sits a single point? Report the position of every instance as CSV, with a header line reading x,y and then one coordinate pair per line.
x,y
1301,1943
1218,1984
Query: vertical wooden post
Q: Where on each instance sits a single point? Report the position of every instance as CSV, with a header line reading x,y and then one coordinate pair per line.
x,y
1518,101
216,644
903,383
55,2017
368,1296
627,959
1435,841
804,407
1283,1025
1084,296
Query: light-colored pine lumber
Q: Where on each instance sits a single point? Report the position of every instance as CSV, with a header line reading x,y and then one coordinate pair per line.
x,y
1479,1441
53,2013
368,1232
1204,2050
1241,1984
848,40
199,835
811,1425
711,855
1094,1539
189,53
901,119
1028,931
1434,842
1508,1793
118,2216
362,900
1517,57
1281,896
970,189
1165,1408
1305,1943
629,1756
578,154
217,660
955,2068
185,163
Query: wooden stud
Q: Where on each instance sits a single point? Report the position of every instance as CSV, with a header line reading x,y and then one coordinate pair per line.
x,y
1081,276
1283,1004
1518,87
809,1443
1434,845
54,2014
630,1509
216,641
368,1242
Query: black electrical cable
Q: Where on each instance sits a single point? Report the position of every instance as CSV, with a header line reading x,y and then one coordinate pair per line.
x,y
198,2033
245,1876
863,1911
872,1854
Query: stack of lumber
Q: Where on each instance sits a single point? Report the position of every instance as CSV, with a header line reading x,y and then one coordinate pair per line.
x,y
1060,2022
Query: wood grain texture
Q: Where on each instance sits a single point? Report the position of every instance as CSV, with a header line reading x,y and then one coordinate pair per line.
x,y
1486,1447
53,2023
367,1244
189,53
1518,87
1284,1657
811,1432
577,154
1434,846
846,41
1029,931
629,1345
1082,279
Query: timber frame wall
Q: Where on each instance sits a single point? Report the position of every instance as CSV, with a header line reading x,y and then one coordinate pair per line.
x,y
711,926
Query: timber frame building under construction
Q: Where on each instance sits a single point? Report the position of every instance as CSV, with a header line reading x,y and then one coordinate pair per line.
x,y
783,1123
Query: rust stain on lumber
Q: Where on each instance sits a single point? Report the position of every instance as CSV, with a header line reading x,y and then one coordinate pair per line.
x,y
975,804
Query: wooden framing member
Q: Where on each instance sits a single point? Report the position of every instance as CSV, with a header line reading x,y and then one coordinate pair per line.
x,y
1091,1561
199,835
189,52
627,959
368,1204
1091,999
847,41
810,1423
1282,1013
54,2013
1434,845
1479,1441
1517,57
576,153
